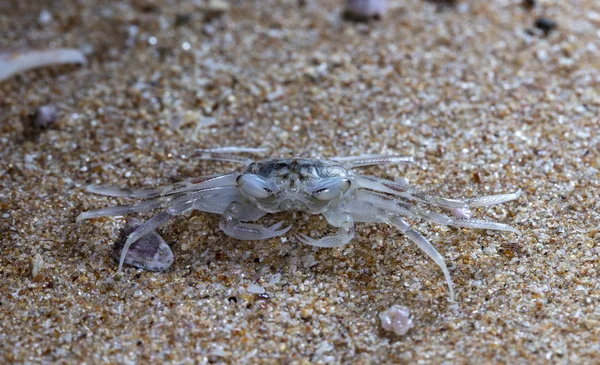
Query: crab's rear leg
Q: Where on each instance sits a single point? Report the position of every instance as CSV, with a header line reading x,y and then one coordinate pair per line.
x,y
404,191
233,223
352,162
344,234
366,212
425,246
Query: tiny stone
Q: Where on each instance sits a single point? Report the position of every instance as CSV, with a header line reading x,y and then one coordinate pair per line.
x,y
545,25
43,117
528,4
396,319
305,313
218,5
45,17
364,10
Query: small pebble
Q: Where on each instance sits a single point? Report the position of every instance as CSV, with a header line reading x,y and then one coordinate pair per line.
x,y
364,10
396,319
528,4
150,252
44,116
45,17
545,25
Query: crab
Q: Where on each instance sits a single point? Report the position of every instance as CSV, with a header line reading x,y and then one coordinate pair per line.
x,y
315,186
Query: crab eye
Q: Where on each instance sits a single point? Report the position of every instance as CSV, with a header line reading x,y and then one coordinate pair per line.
x,y
329,189
256,186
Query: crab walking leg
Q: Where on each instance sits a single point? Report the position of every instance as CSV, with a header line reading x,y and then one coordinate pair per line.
x,y
383,201
178,207
141,207
352,162
394,188
235,149
232,223
344,234
391,205
425,246
483,224
198,183
219,156
484,201
148,205
367,212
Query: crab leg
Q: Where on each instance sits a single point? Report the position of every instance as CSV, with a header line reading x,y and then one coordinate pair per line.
x,y
363,211
484,201
141,207
177,207
425,246
148,205
192,184
384,201
344,234
352,162
392,205
234,149
232,223
400,189
482,224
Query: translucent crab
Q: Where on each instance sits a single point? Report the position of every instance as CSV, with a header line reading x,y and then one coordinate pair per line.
x,y
315,186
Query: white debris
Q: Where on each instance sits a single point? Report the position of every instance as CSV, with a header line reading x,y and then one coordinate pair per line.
x,y
37,263
275,279
397,319
45,17
14,61
256,289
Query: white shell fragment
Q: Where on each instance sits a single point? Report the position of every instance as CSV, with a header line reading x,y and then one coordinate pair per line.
x,y
37,263
14,61
396,319
150,252
256,289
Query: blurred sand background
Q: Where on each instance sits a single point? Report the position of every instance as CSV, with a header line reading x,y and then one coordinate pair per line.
x,y
484,102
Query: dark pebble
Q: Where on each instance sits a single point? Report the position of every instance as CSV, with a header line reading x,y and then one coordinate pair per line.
x,y
43,118
545,25
528,4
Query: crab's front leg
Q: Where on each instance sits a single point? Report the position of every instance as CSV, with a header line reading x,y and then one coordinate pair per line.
x,y
237,213
344,234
